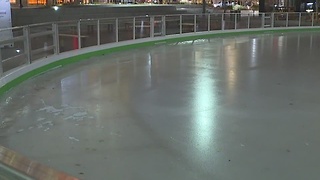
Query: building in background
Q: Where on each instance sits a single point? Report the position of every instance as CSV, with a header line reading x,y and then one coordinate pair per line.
x,y
53,2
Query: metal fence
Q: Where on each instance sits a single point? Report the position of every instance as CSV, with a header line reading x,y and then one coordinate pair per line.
x,y
36,42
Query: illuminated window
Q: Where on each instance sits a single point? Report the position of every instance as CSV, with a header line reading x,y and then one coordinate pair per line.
x,y
64,1
13,1
37,2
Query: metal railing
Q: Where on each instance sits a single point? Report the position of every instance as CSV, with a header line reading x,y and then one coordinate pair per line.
x,y
36,42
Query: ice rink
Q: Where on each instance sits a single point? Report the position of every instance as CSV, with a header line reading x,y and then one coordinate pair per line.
x,y
245,108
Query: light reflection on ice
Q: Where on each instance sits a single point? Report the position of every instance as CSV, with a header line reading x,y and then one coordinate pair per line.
x,y
73,138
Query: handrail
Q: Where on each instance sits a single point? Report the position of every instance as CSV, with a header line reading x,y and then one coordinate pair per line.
x,y
50,39
11,28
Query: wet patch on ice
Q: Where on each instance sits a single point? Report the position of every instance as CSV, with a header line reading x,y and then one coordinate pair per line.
x,y
65,112
5,123
41,119
51,110
8,100
43,125
49,115
74,139
79,116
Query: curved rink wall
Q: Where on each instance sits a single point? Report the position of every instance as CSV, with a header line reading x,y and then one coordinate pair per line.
x,y
19,75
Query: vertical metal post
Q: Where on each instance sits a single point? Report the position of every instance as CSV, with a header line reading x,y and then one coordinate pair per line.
x,y
180,24
79,34
98,32
117,30
311,41
163,25
222,22
55,37
204,4
235,20
287,20
312,19
27,43
151,26
1,68
195,23
209,25
263,20
134,28
248,21
272,20
299,19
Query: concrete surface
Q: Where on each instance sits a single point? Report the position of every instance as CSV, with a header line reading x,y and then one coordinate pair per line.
x,y
225,108
26,16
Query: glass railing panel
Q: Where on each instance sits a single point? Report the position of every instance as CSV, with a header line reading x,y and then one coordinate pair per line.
x,y
267,20
215,22
187,23
202,22
229,20
41,41
172,24
88,30
280,19
255,21
242,21
107,31
293,19
158,25
125,27
41,47
68,36
13,55
316,19
142,27
306,19
12,49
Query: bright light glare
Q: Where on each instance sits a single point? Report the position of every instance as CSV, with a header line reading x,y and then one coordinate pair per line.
x,y
18,50
55,8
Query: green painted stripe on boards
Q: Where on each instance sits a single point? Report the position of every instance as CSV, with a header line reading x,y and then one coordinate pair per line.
x,y
81,57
